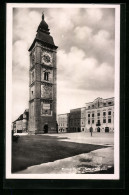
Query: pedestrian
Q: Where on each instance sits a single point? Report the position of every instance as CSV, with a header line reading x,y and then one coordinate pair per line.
x,y
91,130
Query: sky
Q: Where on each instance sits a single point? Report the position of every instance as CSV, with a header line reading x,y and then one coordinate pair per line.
x,y
85,56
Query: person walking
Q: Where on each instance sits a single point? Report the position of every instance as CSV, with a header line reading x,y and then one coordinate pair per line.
x,y
91,130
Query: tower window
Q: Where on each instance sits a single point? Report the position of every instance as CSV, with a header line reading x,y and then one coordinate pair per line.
x,y
46,76
32,76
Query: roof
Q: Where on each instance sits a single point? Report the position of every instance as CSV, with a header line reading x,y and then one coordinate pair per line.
x,y
43,35
100,98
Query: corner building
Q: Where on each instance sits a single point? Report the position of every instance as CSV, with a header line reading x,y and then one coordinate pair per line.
x,y
42,82
100,115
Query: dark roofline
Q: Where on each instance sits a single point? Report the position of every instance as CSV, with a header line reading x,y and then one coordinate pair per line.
x,y
64,113
78,108
39,40
101,98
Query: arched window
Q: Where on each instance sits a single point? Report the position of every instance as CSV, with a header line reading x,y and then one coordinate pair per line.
x,y
46,76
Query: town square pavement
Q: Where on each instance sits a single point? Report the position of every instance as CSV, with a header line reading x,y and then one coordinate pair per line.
x,y
100,159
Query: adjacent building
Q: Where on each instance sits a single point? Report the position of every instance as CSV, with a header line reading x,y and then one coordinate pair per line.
x,y
100,115
21,124
63,123
77,120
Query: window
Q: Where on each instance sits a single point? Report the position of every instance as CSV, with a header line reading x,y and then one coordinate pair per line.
x,y
104,104
98,114
88,121
92,121
46,76
93,115
88,107
92,106
109,103
104,120
109,112
104,113
88,115
109,120
32,76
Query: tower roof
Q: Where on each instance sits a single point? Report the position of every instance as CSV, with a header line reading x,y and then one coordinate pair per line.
x,y
43,34
43,26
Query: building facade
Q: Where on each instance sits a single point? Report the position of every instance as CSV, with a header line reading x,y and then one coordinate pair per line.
x,y
77,120
63,123
21,124
42,82
100,115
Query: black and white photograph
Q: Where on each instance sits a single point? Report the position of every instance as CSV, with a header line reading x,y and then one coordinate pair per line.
x,y
62,91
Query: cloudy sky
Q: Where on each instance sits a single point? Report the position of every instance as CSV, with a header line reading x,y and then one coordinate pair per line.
x,y
85,57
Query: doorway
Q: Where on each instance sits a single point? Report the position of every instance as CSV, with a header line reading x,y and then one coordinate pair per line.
x,y
78,129
46,128
106,129
98,129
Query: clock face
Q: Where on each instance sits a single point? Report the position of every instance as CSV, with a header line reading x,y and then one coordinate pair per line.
x,y
46,58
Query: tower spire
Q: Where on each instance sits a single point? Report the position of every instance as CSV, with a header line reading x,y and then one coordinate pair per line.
x,y
42,15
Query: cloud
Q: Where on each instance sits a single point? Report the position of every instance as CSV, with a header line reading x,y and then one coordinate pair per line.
x,y
94,15
83,33
25,25
80,72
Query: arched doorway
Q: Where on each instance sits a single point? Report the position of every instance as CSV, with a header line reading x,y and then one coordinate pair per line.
x,y
98,129
78,129
46,128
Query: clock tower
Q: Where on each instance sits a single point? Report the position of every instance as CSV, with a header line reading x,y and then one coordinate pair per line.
x,y
42,82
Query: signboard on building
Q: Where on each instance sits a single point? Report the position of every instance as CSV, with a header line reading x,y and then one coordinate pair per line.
x,y
46,106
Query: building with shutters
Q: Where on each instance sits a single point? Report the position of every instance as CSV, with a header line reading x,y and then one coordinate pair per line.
x,y
100,115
